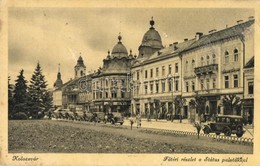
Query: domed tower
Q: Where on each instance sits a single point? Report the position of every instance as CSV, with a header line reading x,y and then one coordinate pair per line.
x,y
151,42
58,83
80,68
119,60
119,50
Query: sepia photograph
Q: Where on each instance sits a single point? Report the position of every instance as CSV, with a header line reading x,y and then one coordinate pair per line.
x,y
173,82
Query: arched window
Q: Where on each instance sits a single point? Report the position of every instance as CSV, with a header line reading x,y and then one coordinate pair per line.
x,y
193,64
202,61
214,61
81,73
208,60
226,57
235,55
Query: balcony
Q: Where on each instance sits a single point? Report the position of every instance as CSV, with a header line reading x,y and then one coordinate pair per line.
x,y
202,70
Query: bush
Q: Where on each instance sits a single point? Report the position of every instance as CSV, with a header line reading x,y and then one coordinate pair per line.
x,y
20,116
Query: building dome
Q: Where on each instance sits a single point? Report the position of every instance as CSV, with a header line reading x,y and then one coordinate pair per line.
x,y
119,49
151,42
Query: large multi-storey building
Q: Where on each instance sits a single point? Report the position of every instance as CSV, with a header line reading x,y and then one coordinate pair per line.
x,y
213,68
209,66
111,90
166,80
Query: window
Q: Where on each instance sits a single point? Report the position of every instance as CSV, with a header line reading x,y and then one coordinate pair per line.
x,y
156,87
193,85
235,55
176,85
106,82
176,68
114,94
214,85
187,86
151,87
226,57
235,77
145,76
201,84
186,66
250,87
137,75
163,86
214,61
193,64
157,72
226,82
122,94
207,83
106,94
202,61
170,69
145,89
208,60
163,70
170,85
100,95
151,73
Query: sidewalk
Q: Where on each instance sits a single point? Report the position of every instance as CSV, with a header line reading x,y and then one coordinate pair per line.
x,y
176,125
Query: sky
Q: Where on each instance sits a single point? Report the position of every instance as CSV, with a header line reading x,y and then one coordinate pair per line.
x,y
53,36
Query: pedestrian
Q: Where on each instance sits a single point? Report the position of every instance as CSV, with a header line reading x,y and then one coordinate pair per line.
x,y
138,120
202,118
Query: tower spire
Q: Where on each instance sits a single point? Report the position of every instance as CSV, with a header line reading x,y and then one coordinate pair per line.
x,y
152,22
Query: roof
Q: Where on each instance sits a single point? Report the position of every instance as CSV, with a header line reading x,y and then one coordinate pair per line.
x,y
119,50
233,31
250,63
172,50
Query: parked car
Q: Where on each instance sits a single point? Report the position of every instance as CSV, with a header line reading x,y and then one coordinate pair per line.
x,y
115,117
227,124
98,117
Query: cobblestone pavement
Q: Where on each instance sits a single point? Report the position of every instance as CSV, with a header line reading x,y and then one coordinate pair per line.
x,y
176,125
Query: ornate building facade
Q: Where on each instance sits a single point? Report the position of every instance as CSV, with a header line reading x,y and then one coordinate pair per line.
x,y
111,90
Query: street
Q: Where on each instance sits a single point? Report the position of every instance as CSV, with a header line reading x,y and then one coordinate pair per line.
x,y
34,136
177,126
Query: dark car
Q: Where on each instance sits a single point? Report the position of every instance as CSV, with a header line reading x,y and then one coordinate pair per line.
x,y
227,124
115,117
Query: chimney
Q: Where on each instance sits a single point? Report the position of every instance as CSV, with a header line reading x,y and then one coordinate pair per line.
x,y
239,21
213,30
251,18
198,35
175,45
186,39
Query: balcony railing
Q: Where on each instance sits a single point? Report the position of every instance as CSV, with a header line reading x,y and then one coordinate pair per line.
x,y
206,69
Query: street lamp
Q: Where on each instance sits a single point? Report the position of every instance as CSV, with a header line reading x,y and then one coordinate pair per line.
x,y
170,79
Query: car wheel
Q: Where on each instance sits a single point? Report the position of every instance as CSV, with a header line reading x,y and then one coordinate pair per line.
x,y
227,132
217,133
206,130
239,131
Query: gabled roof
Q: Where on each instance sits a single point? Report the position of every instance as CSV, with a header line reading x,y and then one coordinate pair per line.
x,y
250,63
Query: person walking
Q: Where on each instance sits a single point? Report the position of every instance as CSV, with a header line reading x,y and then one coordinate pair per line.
x,y
138,120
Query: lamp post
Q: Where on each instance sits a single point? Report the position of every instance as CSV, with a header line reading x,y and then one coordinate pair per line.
x,y
170,79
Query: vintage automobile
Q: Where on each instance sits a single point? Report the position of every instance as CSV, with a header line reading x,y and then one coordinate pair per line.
x,y
115,117
227,124
97,117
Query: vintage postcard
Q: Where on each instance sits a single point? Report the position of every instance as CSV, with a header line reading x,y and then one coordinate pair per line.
x,y
129,82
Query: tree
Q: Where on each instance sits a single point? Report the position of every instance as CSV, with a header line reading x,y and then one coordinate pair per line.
x,y
179,102
232,104
38,95
10,95
198,103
